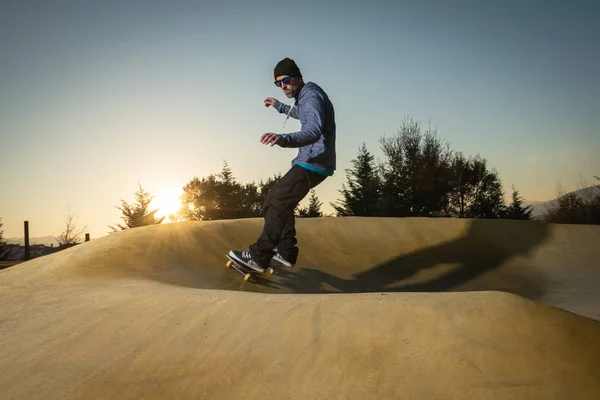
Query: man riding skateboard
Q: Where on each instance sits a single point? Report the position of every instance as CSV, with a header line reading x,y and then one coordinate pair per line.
x,y
315,161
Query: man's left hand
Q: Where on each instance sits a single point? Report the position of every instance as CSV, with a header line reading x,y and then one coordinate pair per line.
x,y
270,138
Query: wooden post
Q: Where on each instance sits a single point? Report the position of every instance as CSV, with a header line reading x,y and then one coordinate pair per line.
x,y
26,240
87,237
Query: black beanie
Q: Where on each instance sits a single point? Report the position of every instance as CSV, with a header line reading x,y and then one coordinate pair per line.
x,y
287,66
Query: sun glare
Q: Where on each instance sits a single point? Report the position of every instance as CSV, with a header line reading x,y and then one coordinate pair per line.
x,y
166,201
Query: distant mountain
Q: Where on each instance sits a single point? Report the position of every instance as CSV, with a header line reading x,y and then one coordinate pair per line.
x,y
47,240
540,207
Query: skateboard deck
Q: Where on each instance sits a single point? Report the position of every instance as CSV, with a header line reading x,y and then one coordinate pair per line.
x,y
243,270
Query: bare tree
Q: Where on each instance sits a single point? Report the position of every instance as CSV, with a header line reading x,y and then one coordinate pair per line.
x,y
2,242
581,206
586,191
71,235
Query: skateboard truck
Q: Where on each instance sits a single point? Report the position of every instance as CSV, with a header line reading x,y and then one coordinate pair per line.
x,y
244,271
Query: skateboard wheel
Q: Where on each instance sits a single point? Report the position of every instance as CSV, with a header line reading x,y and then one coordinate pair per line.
x,y
246,277
271,271
229,263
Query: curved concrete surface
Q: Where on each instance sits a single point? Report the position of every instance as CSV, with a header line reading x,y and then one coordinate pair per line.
x,y
376,308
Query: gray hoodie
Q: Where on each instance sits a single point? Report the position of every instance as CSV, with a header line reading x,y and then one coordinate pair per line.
x,y
316,139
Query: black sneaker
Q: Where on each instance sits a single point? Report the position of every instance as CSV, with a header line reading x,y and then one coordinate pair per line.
x,y
245,258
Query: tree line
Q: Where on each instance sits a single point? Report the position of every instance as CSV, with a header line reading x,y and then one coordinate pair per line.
x,y
215,197
419,176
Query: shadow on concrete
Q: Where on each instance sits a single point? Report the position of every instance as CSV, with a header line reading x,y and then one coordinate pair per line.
x,y
479,252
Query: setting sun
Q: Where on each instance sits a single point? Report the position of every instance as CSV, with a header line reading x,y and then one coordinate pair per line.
x,y
166,202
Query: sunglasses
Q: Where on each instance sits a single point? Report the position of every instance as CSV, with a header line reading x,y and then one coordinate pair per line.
x,y
285,81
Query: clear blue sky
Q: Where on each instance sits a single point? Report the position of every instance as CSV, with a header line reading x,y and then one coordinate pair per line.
x,y
97,97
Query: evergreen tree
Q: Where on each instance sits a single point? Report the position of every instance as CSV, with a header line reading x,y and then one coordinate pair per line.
x,y
250,196
314,207
516,210
137,214
234,199
227,193
362,192
264,188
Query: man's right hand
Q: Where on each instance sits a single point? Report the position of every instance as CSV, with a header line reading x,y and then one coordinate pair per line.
x,y
270,101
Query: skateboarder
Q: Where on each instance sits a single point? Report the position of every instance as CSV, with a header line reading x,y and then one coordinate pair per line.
x,y
315,161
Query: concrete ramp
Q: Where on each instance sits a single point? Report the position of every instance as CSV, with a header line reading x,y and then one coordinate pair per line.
x,y
376,308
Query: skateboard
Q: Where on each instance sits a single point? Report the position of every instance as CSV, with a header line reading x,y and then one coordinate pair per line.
x,y
243,270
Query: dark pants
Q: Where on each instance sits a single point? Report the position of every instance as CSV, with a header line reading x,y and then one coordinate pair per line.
x,y
279,229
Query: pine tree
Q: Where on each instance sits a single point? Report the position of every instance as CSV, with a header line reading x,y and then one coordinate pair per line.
x,y
264,187
362,191
229,194
314,207
234,199
137,214
516,209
